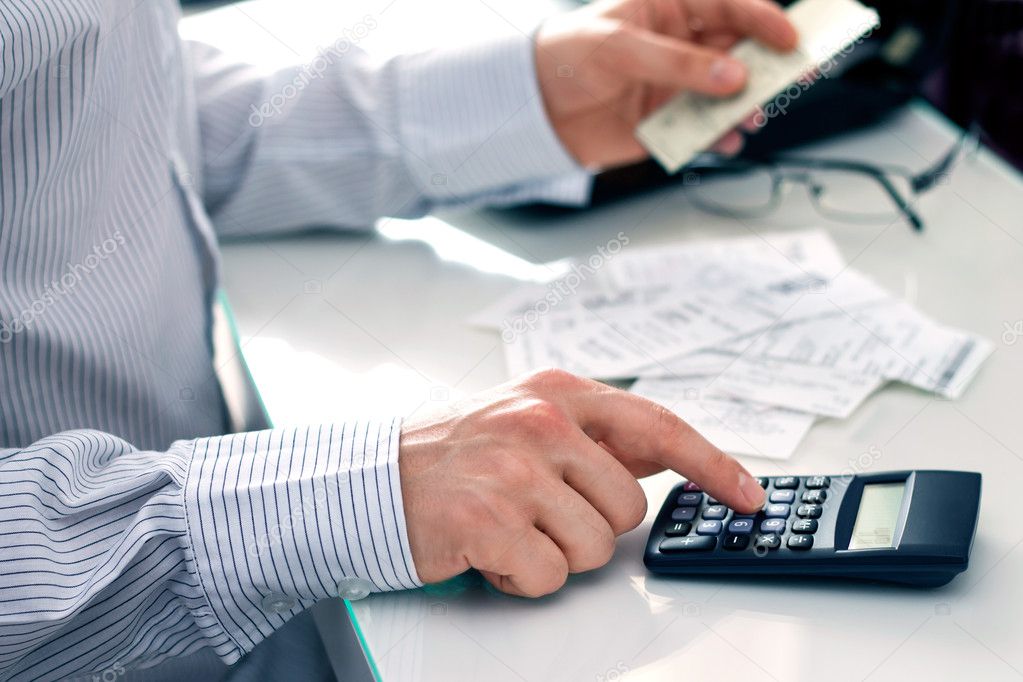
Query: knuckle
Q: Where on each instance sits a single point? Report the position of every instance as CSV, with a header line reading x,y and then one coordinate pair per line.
x,y
539,417
601,549
552,579
480,511
493,554
511,470
633,512
552,379
668,423
586,559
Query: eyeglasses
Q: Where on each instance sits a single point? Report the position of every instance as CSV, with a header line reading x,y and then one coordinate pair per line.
x,y
846,190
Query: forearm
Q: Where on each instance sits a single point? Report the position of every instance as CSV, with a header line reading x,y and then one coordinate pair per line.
x,y
119,557
356,139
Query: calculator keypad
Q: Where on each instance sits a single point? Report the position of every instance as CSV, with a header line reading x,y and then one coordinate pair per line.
x,y
699,522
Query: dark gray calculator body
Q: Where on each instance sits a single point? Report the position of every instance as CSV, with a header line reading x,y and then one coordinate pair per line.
x,y
913,527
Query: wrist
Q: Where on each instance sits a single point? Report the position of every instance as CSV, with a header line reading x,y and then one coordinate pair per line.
x,y
430,507
473,120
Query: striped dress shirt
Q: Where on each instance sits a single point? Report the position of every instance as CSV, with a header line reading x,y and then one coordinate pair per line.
x,y
131,529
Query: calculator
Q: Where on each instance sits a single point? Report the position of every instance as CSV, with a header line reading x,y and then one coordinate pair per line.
x,y
911,527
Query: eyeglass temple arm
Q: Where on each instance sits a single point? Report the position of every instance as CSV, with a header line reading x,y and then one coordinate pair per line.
x,y
910,214
926,179
879,175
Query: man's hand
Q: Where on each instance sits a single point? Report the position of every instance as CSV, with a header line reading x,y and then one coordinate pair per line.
x,y
534,479
604,68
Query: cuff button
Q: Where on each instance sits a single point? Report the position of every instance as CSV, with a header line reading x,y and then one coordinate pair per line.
x,y
275,602
353,589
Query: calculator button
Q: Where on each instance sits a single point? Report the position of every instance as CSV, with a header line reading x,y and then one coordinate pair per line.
x,y
804,526
815,496
786,496
684,514
736,542
680,528
690,543
708,528
767,541
741,526
815,482
715,512
809,511
691,487
689,499
763,481
772,526
800,541
777,511
786,483
713,502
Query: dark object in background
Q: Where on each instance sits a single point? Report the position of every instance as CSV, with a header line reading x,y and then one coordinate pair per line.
x,y
982,80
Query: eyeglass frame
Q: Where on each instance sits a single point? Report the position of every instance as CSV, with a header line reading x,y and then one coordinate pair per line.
x,y
919,183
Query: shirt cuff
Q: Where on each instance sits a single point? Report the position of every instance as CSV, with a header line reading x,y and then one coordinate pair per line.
x,y
279,519
473,124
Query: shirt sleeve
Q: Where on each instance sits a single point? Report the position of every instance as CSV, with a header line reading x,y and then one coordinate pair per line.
x,y
347,139
116,558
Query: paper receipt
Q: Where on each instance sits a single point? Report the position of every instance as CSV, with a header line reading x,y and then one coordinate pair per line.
x,y
690,123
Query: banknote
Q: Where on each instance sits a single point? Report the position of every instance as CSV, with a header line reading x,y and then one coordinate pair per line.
x,y
690,123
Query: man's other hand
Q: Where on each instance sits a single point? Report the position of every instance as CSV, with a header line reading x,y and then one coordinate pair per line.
x,y
534,479
605,67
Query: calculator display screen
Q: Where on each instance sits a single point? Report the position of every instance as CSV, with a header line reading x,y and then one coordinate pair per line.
x,y
877,516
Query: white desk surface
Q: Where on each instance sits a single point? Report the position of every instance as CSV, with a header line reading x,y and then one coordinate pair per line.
x,y
375,322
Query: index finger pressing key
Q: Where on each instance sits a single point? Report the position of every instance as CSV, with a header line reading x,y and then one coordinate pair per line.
x,y
644,430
